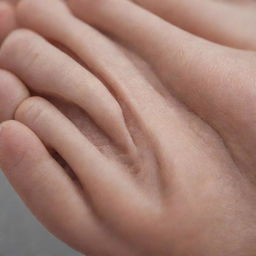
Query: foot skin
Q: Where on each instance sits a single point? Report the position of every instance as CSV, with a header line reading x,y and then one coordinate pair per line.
x,y
167,169
227,22
7,19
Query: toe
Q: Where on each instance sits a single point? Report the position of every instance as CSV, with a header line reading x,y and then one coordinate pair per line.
x,y
199,17
42,184
143,31
106,182
7,20
12,93
210,79
26,53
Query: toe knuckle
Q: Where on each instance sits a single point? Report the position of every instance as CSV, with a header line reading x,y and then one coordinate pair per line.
x,y
17,37
20,47
30,110
12,93
17,41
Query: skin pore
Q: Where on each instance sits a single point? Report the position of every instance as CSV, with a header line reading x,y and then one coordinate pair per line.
x,y
155,124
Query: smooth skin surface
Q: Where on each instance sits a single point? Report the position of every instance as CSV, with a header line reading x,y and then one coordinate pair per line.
x,y
177,167
7,19
228,22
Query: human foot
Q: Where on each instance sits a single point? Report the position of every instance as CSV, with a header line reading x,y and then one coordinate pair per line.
x,y
179,170
120,206
217,83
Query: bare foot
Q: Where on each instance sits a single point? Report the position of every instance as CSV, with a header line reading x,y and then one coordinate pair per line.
x,y
211,80
177,177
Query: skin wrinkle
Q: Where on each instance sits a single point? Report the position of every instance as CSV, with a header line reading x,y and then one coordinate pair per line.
x,y
112,109
70,54
182,93
205,197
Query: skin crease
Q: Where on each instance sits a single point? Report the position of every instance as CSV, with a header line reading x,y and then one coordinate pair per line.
x,y
186,183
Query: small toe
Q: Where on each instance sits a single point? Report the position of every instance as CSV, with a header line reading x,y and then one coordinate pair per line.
x,y
7,20
12,94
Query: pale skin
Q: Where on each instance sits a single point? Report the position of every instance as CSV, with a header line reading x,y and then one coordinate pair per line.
x,y
7,18
160,138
